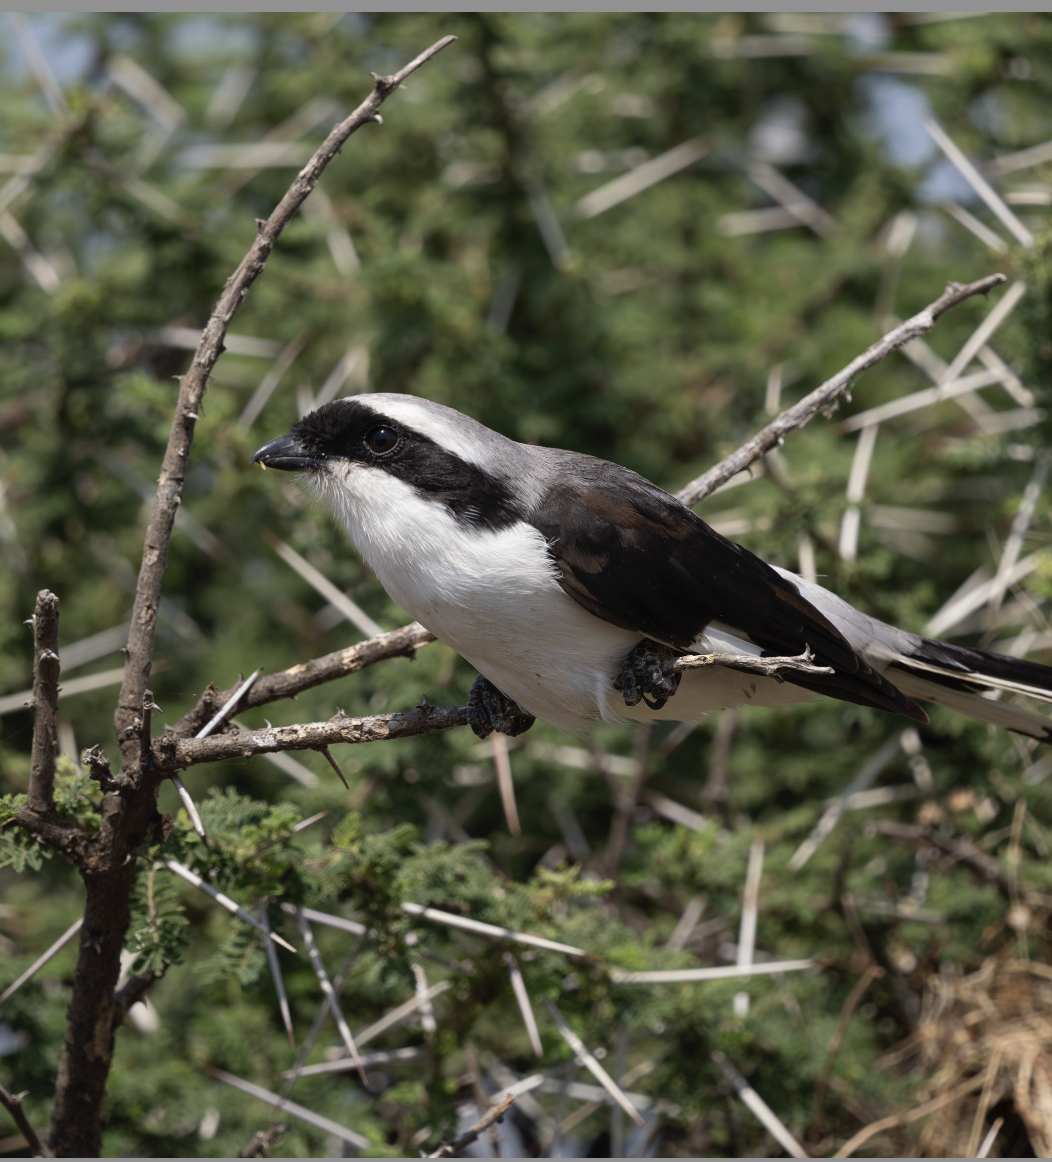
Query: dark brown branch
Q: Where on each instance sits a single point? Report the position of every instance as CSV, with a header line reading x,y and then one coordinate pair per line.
x,y
73,843
41,798
191,393
12,1102
288,683
173,753
964,851
132,992
826,397
493,1114
262,1141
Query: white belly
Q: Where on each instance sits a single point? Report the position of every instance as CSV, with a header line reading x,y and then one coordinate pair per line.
x,y
494,597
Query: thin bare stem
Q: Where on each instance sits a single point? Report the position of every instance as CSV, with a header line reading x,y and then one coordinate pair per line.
x,y
493,1114
288,683
173,753
45,704
12,1102
826,397
192,389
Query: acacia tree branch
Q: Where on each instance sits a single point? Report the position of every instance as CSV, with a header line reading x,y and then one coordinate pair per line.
x,y
12,1102
493,1114
40,799
172,753
751,664
129,809
288,683
191,392
826,397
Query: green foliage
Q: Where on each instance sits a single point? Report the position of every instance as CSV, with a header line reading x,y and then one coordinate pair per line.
x,y
648,341
157,934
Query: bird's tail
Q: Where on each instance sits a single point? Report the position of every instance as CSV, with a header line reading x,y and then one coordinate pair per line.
x,y
964,679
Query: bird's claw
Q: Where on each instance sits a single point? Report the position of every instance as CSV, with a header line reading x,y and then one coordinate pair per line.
x,y
490,710
648,670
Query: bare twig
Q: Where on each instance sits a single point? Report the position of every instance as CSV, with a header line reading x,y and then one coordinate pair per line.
x,y
288,683
493,1114
12,1102
750,663
174,753
192,388
45,704
39,963
828,395
262,1140
921,1111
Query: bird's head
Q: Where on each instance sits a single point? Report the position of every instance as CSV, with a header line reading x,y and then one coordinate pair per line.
x,y
349,447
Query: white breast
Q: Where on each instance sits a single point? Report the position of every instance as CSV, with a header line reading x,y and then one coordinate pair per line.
x,y
494,597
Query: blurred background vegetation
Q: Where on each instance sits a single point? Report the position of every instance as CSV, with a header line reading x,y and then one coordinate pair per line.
x,y
473,250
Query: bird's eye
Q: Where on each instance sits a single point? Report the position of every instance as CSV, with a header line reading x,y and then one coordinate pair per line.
x,y
381,440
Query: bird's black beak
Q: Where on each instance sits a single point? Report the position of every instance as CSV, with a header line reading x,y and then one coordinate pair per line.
x,y
287,454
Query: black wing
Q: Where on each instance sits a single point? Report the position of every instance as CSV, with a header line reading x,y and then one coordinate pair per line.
x,y
634,556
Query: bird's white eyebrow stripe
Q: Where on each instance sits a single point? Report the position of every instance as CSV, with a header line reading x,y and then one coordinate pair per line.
x,y
428,423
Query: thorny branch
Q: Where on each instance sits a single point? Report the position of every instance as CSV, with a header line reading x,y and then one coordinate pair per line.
x,y
494,1114
45,704
175,753
12,1102
827,396
192,389
129,810
288,683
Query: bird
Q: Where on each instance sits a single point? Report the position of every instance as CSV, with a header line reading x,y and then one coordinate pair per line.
x,y
573,584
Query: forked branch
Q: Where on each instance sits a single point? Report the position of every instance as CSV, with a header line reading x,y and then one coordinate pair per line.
x,y
191,393
399,643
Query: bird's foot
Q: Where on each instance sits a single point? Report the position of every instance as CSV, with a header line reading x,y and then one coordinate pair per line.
x,y
490,710
648,670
